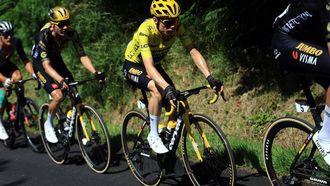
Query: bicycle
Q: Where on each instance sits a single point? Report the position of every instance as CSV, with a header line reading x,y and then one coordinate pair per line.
x,y
290,156
22,118
87,125
206,153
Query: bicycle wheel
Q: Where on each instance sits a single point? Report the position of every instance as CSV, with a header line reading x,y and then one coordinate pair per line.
x,y
140,158
216,165
9,126
58,152
30,125
93,139
283,141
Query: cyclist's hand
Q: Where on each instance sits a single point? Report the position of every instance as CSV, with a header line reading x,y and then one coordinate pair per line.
x,y
7,82
64,84
215,83
100,76
171,94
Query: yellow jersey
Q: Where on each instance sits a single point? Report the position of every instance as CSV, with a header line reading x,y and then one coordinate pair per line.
x,y
149,42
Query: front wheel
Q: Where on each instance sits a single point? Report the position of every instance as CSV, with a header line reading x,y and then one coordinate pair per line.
x,y
94,139
207,155
140,157
284,157
30,124
58,152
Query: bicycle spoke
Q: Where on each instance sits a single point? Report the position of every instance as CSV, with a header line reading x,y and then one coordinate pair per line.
x,y
142,161
94,139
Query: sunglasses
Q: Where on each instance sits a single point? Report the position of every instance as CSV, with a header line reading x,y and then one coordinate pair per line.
x,y
62,24
7,34
169,22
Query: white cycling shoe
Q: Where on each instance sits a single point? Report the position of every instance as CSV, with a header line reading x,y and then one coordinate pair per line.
x,y
324,148
3,133
156,144
50,133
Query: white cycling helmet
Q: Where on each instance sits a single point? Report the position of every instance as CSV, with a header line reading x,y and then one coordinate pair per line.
x,y
6,27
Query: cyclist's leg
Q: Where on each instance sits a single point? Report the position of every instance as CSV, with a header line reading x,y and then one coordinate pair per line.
x,y
312,59
172,118
136,75
6,71
52,88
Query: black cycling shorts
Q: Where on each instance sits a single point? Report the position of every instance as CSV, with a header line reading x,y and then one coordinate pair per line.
x,y
136,74
305,58
48,82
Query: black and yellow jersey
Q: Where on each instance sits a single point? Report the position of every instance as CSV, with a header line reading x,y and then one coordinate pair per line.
x,y
148,42
307,20
46,46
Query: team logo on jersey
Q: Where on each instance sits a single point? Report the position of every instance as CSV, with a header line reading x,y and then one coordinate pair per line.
x,y
304,58
276,53
295,55
43,54
135,71
302,47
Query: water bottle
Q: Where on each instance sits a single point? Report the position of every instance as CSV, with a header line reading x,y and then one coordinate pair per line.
x,y
170,129
68,120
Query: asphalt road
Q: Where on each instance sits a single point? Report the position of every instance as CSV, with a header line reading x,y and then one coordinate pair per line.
x,y
21,166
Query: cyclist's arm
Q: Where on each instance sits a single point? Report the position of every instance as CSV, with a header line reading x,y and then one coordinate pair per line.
x,y
199,61
3,78
51,71
22,55
87,62
153,73
84,59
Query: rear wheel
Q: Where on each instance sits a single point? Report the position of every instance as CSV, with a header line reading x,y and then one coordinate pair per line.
x,y
93,138
58,152
214,165
140,158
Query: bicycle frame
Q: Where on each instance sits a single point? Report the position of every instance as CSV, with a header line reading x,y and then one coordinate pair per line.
x,y
316,111
184,114
76,112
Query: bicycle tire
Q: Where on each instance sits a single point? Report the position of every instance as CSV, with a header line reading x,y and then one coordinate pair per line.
x,y
57,152
217,166
278,154
141,160
10,142
30,125
96,151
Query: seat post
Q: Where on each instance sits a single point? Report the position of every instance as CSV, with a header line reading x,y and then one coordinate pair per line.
x,y
307,91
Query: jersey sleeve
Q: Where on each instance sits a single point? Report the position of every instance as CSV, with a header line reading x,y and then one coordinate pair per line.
x,y
76,43
40,48
20,51
143,35
184,38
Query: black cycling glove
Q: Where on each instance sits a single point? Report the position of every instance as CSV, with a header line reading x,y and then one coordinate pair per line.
x,y
65,80
100,76
171,93
214,82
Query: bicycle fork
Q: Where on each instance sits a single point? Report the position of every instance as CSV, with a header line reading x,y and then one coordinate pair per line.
x,y
193,140
84,124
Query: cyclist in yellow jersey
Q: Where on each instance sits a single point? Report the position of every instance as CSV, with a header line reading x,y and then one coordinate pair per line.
x,y
143,55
